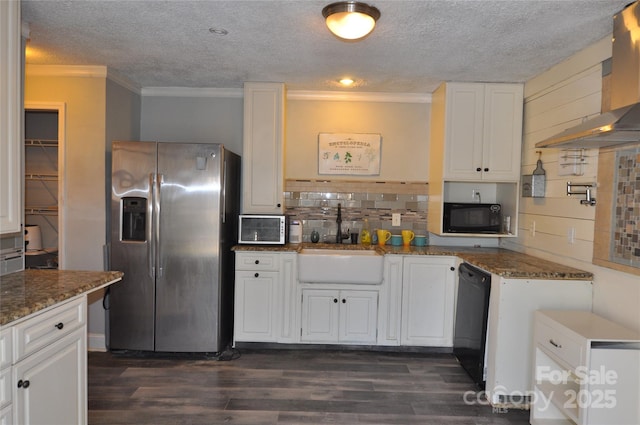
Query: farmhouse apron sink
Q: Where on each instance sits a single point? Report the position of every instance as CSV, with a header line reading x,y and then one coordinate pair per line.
x,y
363,267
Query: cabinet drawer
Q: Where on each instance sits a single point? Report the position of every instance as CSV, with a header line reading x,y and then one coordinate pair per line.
x,y
256,261
5,348
557,343
43,329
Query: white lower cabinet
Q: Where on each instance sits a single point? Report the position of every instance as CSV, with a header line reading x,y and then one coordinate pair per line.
x,y
51,384
287,298
264,305
255,306
586,370
510,329
339,316
46,382
390,303
6,416
6,386
428,301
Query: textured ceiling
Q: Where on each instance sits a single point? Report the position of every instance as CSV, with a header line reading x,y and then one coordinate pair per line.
x,y
415,45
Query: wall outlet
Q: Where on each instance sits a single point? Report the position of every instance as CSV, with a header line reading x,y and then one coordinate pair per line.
x,y
532,229
475,195
395,219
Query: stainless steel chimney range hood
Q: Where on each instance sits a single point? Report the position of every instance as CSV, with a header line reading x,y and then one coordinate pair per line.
x,y
622,124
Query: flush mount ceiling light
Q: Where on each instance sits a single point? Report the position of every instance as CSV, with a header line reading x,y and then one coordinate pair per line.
x,y
350,20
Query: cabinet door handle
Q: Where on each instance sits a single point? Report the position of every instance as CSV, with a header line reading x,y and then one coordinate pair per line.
x,y
478,169
486,169
256,275
59,325
23,384
278,205
335,300
344,301
257,261
555,344
452,269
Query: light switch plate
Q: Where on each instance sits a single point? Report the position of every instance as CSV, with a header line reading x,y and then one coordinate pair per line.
x,y
395,219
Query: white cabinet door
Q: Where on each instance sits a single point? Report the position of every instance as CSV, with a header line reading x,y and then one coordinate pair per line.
x,y
320,310
255,308
464,122
357,316
347,316
50,385
10,118
428,299
502,132
263,148
288,301
390,303
483,131
6,416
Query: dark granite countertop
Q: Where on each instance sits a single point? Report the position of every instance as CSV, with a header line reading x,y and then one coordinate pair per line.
x,y
26,292
503,262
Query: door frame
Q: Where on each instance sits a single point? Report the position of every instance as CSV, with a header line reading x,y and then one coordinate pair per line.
x,y
60,108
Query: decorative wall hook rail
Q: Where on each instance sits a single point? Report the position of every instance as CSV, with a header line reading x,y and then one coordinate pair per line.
x,y
588,200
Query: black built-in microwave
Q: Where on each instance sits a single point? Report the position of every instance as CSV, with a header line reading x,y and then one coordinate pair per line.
x,y
471,218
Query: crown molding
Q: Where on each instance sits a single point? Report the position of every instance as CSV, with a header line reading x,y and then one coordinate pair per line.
x,y
87,71
80,71
359,96
124,82
291,94
191,92
236,93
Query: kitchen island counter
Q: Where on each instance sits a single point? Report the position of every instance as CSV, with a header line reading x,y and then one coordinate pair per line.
x,y
29,291
502,262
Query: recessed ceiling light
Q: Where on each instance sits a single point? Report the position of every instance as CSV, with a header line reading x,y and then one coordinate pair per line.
x,y
338,83
218,31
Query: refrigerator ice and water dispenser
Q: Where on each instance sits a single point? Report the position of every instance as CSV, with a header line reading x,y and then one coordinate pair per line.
x,y
134,219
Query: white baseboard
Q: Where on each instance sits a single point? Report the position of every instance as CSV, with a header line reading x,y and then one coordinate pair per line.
x,y
96,342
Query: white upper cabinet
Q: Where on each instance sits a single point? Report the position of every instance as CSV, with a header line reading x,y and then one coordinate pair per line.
x,y
263,148
482,134
10,118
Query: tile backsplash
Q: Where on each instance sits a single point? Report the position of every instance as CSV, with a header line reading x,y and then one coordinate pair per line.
x,y
625,246
315,202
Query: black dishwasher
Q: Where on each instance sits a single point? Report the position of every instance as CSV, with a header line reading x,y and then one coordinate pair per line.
x,y
472,310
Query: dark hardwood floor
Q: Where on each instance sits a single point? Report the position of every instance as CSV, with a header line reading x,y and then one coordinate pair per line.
x,y
288,387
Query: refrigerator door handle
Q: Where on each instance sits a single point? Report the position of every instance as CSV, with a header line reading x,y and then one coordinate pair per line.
x,y
150,227
159,181
223,206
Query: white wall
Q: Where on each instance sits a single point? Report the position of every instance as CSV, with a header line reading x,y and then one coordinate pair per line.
x,y
404,128
122,123
84,224
184,115
557,99
95,109
198,119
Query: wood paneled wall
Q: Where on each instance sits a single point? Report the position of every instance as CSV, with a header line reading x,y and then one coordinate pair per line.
x,y
555,100
558,225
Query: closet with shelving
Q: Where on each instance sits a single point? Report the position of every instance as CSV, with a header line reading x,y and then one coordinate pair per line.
x,y
41,188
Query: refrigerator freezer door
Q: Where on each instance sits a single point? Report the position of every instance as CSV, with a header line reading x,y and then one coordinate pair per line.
x,y
131,314
188,254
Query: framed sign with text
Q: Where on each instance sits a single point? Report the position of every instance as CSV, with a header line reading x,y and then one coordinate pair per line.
x,y
349,154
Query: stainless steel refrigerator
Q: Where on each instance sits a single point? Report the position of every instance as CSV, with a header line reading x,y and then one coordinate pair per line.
x,y
174,212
